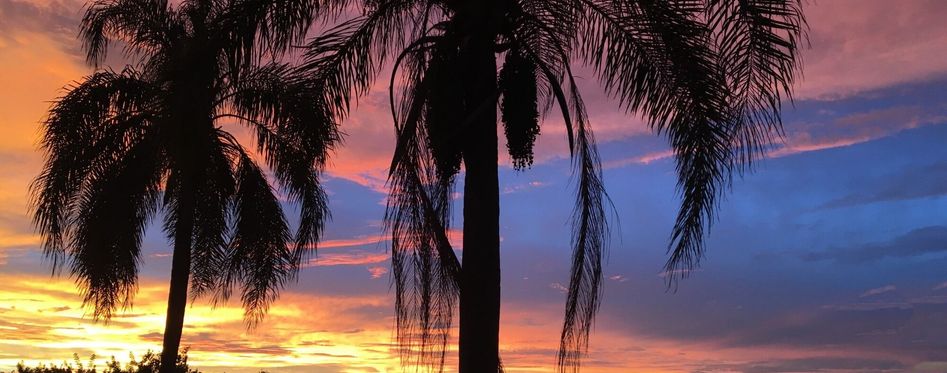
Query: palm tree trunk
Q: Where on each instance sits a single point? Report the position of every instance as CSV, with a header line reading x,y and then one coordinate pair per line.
x,y
180,271
480,276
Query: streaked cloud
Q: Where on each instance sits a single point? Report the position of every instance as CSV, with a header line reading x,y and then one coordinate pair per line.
x,y
877,291
918,242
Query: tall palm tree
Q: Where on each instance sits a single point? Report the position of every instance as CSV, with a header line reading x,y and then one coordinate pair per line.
x,y
122,146
708,74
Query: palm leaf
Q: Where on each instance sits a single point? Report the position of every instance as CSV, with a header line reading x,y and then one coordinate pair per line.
x,y
143,25
112,211
86,131
259,259
296,132
425,269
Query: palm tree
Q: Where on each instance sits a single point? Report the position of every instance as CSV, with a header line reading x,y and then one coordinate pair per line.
x,y
708,74
122,146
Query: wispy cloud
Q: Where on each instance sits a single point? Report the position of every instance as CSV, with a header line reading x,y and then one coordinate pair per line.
x,y
877,291
918,242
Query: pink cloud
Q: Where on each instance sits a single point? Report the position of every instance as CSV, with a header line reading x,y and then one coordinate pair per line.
x,y
841,132
854,129
357,241
346,259
647,158
377,271
861,45
346,256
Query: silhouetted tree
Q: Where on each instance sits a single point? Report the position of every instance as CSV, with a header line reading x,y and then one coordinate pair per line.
x,y
123,145
708,74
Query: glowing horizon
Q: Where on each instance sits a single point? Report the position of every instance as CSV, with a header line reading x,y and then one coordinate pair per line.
x,y
829,258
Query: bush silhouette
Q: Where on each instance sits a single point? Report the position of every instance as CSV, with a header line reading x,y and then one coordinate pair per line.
x,y
148,363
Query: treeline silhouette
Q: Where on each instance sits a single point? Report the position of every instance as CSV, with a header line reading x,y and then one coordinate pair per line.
x,y
125,146
148,363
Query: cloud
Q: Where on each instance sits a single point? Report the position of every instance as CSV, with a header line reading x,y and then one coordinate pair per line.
x,y
644,159
864,45
877,291
59,19
515,188
559,287
918,242
357,241
346,259
48,321
823,364
856,128
909,183
829,133
377,271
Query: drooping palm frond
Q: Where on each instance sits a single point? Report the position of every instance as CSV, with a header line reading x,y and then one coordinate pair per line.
x,y
758,43
113,210
548,49
425,268
85,132
259,258
345,60
726,110
212,206
658,59
589,240
699,123
99,186
252,29
296,132
143,25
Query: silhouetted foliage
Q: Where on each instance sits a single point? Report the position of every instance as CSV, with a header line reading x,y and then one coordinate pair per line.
x,y
148,363
124,146
710,75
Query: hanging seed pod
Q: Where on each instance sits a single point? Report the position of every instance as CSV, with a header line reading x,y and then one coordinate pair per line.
x,y
445,110
518,107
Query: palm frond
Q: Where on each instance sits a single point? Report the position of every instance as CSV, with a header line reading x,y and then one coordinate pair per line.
x,y
85,131
259,259
725,106
548,50
758,43
251,29
296,132
143,25
658,59
213,194
113,209
589,240
345,59
425,268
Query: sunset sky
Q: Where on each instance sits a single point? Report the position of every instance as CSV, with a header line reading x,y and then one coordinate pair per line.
x,y
831,257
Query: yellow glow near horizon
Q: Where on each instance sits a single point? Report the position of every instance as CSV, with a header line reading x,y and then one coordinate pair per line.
x,y
43,321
